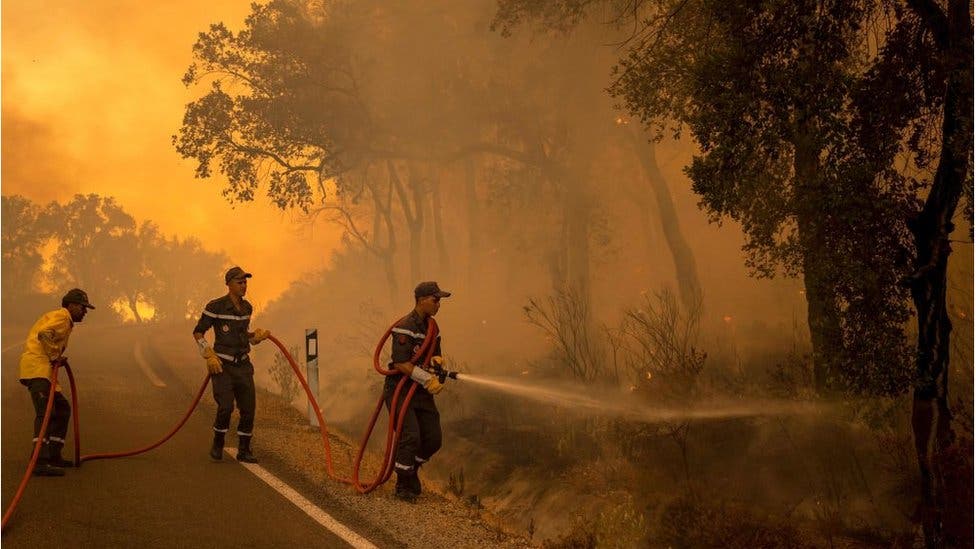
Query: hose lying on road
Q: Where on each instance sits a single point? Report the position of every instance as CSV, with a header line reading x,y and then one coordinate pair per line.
x,y
392,435
79,459
136,451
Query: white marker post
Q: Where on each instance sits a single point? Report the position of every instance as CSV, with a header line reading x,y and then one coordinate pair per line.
x,y
312,370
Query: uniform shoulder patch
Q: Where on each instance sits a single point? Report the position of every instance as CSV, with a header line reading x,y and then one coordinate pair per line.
x,y
402,339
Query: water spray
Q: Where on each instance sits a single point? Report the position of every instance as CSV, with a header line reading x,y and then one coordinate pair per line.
x,y
625,407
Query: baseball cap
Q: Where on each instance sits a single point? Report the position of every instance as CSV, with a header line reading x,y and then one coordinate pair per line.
x,y
76,295
235,272
425,289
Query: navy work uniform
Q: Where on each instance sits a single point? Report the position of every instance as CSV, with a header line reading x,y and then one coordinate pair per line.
x,y
420,437
236,382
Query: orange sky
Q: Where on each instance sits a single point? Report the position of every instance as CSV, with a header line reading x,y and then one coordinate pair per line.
x,y
91,97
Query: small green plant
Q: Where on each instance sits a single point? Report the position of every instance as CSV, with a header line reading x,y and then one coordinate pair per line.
x,y
283,376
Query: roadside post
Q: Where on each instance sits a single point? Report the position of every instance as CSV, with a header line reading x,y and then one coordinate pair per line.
x,y
312,370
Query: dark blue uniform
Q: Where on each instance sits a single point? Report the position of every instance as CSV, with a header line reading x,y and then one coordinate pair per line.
x,y
231,345
421,434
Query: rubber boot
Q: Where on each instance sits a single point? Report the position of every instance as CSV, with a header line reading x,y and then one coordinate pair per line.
x,y
43,467
55,458
413,483
217,449
244,450
405,487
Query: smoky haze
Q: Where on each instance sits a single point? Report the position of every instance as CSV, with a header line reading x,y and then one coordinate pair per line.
x,y
345,151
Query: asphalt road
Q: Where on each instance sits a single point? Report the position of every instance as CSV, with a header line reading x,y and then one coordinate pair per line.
x,y
173,496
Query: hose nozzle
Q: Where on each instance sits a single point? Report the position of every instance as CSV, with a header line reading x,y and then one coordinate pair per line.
x,y
442,374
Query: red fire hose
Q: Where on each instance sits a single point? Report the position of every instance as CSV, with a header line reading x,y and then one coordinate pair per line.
x,y
79,459
40,440
392,435
393,431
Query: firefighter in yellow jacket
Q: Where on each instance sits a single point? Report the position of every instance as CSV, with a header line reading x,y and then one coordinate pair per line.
x,y
46,342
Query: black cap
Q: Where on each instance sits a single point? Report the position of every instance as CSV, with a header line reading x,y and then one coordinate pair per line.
x,y
425,289
76,295
235,272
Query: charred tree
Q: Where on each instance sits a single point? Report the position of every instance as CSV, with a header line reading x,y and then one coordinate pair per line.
x,y
689,288
952,32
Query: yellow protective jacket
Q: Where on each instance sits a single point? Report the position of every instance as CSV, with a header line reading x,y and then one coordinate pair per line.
x,y
46,341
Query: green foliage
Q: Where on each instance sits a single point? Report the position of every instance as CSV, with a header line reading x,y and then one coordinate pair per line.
x,y
559,15
774,95
99,247
25,230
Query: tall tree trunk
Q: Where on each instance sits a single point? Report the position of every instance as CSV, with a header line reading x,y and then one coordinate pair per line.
x,y
444,260
689,288
387,253
391,280
952,31
823,318
412,202
133,305
474,223
382,218
823,314
576,216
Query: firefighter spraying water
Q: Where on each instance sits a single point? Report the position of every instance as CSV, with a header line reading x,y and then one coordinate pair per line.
x,y
420,437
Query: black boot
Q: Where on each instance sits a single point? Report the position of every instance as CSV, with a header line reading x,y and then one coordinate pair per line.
x,y
406,487
43,467
55,458
414,484
217,449
244,450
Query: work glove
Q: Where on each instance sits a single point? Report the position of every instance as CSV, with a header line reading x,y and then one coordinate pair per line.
x,y
426,380
213,361
437,362
434,386
259,336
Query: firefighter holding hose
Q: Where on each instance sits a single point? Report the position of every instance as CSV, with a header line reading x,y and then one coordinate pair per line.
x,y
420,437
231,371
46,343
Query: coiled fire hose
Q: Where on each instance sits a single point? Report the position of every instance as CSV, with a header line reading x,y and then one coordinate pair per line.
x,y
392,436
394,429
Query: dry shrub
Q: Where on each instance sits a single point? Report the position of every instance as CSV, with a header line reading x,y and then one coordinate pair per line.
x,y
690,522
579,538
619,525
284,376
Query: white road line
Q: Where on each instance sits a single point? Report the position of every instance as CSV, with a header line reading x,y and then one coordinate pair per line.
x,y
309,508
146,368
